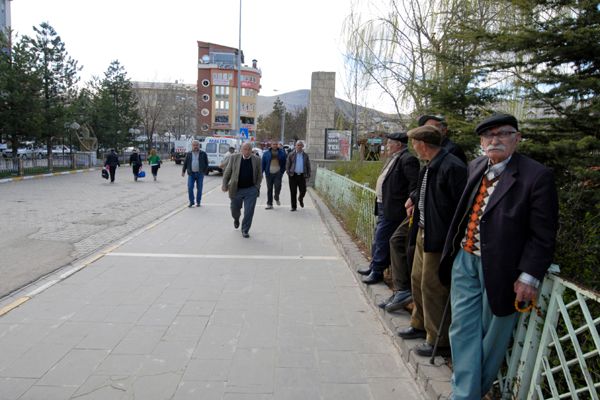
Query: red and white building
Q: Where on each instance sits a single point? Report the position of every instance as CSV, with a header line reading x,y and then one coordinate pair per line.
x,y
218,93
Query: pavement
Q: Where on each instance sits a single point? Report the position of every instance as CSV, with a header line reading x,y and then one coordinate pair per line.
x,y
53,221
183,307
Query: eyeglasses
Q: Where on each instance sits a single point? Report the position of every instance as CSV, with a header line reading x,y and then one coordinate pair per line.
x,y
499,134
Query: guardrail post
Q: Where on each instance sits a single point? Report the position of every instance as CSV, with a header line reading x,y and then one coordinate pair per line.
x,y
21,167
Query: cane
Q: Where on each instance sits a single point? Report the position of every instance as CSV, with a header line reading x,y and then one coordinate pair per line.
x,y
437,339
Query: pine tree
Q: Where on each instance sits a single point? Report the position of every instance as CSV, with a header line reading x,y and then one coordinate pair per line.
x,y
59,78
551,52
20,85
115,107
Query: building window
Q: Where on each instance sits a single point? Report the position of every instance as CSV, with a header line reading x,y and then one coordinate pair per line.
x,y
205,97
222,91
204,112
204,127
224,119
205,82
222,105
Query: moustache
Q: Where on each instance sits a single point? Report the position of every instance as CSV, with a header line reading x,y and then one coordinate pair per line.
x,y
499,147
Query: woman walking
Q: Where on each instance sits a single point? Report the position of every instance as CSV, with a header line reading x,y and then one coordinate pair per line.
x,y
154,162
136,163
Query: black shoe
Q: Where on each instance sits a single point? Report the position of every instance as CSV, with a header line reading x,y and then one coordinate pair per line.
x,y
373,277
384,303
190,205
293,209
364,271
301,202
197,204
236,223
245,234
277,202
412,333
269,207
426,350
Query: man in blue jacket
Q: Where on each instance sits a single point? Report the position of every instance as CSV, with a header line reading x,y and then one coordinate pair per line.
x,y
273,166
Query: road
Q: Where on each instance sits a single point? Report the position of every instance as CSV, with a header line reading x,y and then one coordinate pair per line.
x,y
50,222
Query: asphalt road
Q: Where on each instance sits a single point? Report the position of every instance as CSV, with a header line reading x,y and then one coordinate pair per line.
x,y
50,222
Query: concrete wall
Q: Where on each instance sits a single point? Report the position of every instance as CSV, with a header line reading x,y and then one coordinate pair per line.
x,y
321,109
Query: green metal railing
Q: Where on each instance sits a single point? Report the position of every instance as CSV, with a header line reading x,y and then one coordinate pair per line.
x,y
352,202
555,355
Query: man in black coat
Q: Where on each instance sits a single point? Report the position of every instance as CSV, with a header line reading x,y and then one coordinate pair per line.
x,y
440,122
441,182
112,162
498,249
397,179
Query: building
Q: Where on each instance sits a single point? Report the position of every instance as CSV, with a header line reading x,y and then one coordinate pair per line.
x,y
218,93
5,16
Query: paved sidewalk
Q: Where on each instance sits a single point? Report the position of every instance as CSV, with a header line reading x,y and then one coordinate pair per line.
x,y
189,309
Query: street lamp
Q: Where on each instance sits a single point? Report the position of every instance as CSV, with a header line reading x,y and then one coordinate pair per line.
x,y
282,122
239,76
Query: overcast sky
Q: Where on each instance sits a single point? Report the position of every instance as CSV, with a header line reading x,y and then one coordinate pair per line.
x,y
156,40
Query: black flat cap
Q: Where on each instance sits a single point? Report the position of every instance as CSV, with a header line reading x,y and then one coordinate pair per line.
x,y
496,120
425,118
399,136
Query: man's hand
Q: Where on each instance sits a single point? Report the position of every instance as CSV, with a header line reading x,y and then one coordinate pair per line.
x,y
410,207
224,188
183,174
525,292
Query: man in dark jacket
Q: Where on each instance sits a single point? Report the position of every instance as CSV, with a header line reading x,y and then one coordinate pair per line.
x,y
440,185
273,166
112,162
196,166
397,179
440,122
135,160
298,170
498,249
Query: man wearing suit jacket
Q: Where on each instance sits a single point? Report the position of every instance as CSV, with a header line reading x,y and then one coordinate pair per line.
x,y
242,179
196,166
397,179
498,249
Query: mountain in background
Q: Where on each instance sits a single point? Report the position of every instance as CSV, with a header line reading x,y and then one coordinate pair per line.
x,y
299,99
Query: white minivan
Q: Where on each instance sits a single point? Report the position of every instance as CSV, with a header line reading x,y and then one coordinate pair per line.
x,y
216,147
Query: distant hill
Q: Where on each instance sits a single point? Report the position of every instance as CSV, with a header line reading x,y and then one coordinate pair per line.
x,y
299,99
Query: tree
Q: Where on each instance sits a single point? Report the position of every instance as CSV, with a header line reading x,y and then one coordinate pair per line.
x,y
20,85
115,107
551,54
59,78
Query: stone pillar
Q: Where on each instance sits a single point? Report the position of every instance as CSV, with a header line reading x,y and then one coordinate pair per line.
x,y
321,109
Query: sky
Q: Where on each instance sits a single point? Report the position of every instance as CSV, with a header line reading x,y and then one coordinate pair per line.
x,y
156,40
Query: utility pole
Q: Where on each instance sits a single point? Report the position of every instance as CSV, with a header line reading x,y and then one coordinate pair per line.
x,y
238,123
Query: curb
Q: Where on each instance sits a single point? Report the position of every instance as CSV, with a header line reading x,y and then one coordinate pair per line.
x,y
433,379
28,177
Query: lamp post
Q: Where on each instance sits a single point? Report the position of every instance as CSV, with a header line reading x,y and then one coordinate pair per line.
x,y
282,123
238,122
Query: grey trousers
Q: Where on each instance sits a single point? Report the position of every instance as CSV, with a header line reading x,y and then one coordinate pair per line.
x,y
244,197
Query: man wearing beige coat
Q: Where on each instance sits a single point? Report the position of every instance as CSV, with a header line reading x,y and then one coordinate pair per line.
x,y
242,179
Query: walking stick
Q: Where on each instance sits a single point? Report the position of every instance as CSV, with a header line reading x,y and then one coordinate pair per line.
x,y
437,339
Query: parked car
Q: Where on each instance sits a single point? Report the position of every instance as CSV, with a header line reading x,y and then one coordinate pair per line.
x,y
61,149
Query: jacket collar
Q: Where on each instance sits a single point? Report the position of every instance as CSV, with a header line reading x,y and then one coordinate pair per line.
x,y
507,180
437,160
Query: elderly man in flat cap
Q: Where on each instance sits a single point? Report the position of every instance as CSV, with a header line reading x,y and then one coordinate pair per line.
x,y
498,249
440,185
440,122
397,179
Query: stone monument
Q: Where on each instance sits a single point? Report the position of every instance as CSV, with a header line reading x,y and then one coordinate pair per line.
x,y
321,110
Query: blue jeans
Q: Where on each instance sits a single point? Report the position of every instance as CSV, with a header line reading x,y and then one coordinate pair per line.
x,y
273,180
246,197
478,338
198,179
380,249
